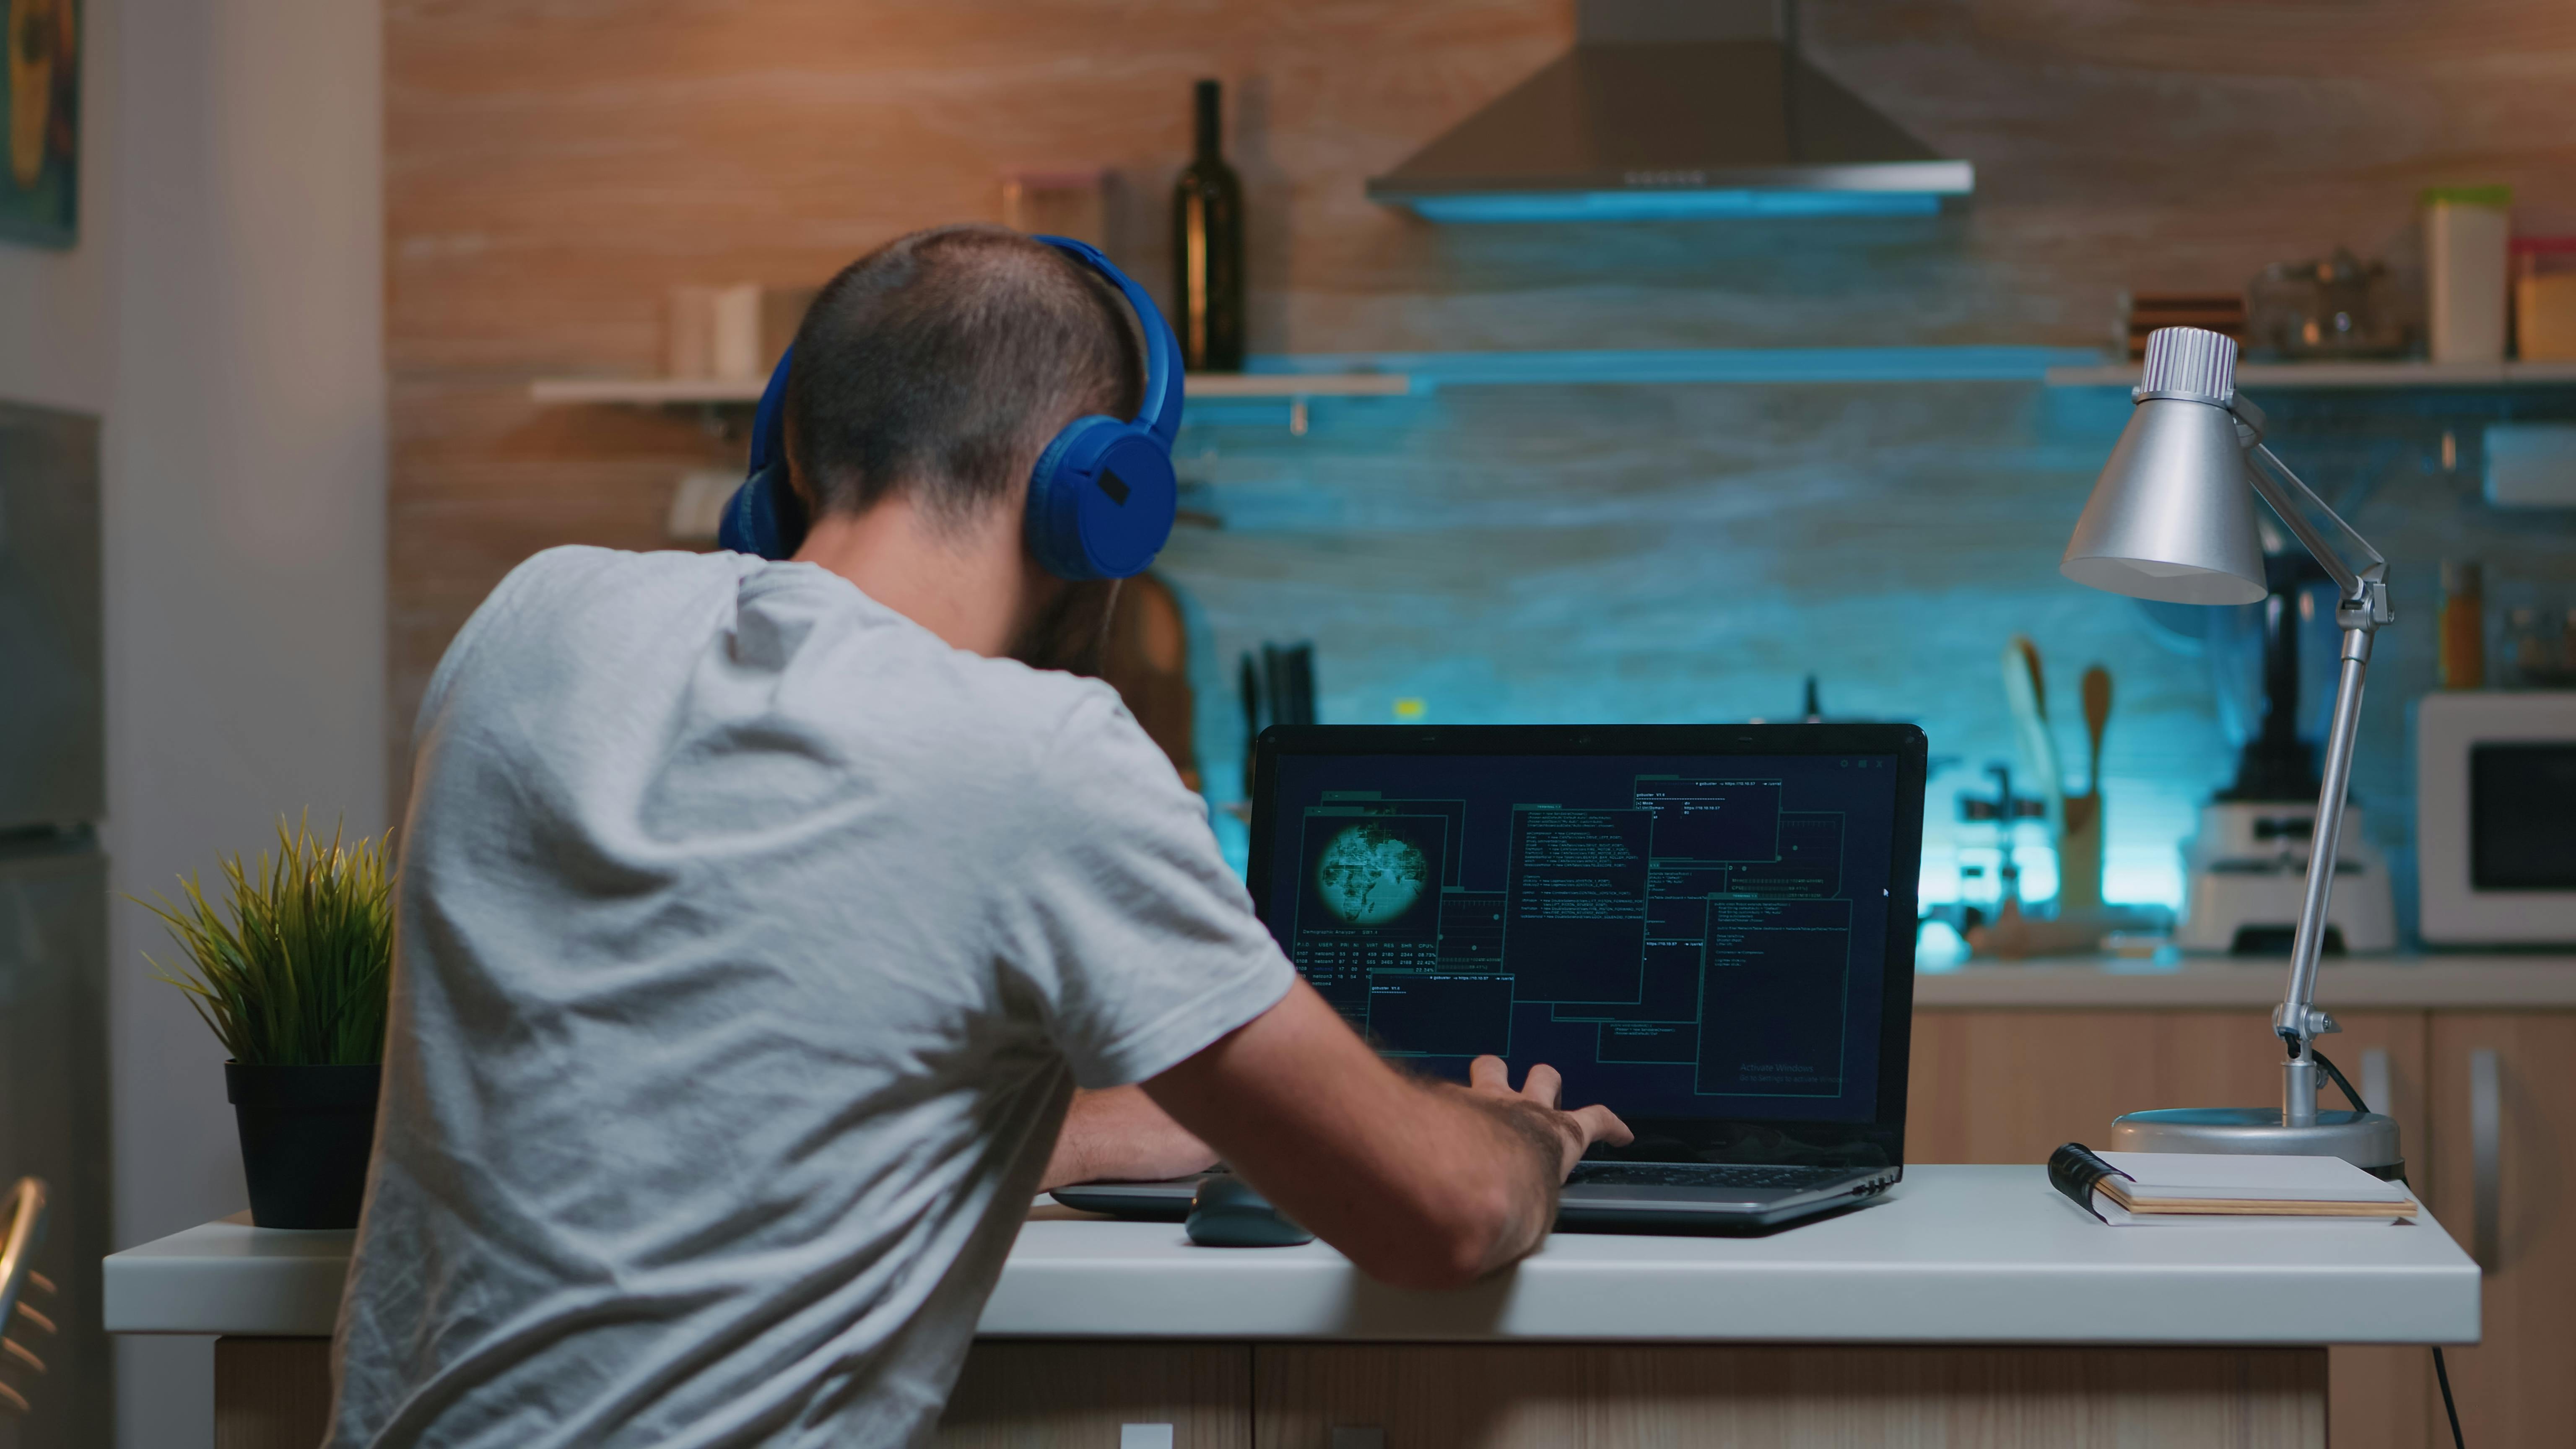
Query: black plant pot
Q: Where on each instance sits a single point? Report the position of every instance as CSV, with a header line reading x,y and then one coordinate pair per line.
x,y
305,1135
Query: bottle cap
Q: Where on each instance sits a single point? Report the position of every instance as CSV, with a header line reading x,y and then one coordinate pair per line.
x,y
2461,576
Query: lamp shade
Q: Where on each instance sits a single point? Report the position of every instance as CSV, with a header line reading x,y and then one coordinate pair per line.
x,y
2172,517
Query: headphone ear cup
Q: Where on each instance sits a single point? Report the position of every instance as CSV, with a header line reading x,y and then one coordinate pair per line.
x,y
1054,519
764,517
1102,500
1130,506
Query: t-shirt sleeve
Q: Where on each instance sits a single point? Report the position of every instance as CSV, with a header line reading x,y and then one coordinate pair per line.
x,y
1138,944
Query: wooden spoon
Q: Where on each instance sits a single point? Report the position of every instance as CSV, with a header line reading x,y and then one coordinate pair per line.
x,y
2097,718
2027,699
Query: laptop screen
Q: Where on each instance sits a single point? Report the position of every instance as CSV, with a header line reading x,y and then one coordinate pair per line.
x,y
1685,937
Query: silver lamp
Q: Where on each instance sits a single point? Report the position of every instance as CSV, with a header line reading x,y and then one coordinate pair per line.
x,y
2171,520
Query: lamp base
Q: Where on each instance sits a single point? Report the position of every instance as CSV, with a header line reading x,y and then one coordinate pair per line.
x,y
2367,1140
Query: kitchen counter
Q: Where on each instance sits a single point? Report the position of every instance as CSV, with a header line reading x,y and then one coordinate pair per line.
x,y
1953,1255
2463,982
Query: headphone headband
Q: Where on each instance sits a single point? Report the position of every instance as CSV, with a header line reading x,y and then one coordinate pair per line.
x,y
1160,412
1102,498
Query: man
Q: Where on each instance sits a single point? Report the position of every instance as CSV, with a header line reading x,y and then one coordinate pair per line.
x,y
760,921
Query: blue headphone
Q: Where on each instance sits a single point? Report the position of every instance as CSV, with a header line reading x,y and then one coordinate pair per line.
x,y
1101,499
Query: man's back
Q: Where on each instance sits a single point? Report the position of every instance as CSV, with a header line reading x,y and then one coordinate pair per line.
x,y
752,942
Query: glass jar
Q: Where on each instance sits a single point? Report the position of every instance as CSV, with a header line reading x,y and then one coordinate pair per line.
x,y
2338,307
2544,298
2542,647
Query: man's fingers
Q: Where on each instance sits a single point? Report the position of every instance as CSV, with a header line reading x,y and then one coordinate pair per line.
x,y
1542,1085
1600,1124
1487,1074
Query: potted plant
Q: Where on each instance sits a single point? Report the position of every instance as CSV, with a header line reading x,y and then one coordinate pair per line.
x,y
292,973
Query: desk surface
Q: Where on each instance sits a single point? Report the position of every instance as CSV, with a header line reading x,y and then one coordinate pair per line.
x,y
1953,1255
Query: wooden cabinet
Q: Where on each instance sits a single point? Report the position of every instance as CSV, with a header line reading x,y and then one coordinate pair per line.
x,y
2518,1386
272,1393
2009,1086
1634,1396
1089,1395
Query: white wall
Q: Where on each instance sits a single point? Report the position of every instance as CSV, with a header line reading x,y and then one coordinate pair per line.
x,y
224,312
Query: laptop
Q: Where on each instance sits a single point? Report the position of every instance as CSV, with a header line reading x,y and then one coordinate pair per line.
x,y
1707,928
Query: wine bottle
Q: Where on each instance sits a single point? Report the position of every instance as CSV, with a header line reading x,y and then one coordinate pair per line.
x,y
1207,250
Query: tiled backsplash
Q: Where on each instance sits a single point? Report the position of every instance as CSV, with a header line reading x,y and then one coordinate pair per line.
x,y
1693,552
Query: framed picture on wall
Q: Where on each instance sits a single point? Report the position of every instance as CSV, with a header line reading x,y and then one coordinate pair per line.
x,y
40,89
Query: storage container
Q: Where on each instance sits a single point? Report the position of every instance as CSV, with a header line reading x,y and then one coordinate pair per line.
x,y
2544,298
2465,231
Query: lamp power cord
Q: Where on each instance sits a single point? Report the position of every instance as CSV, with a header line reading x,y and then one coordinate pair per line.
x,y
2441,1370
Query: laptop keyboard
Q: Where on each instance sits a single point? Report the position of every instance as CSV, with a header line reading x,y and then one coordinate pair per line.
x,y
1703,1174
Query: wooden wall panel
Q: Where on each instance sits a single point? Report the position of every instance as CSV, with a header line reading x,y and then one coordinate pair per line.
x,y
554,166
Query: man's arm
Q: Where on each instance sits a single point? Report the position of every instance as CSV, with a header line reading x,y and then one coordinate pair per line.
x,y
1120,1136
1422,1184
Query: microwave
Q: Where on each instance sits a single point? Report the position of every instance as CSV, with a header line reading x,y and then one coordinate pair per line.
x,y
2495,818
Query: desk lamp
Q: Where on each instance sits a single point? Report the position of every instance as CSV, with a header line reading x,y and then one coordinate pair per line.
x,y
2170,520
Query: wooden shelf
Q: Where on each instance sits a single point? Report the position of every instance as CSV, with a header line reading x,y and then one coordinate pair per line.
x,y
745,392
1296,385
646,391
1297,378
2349,375
1755,366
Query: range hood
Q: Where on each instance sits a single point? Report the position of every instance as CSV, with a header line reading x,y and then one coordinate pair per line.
x,y
1675,108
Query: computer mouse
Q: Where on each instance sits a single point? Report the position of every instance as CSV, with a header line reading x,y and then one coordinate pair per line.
x,y
1226,1213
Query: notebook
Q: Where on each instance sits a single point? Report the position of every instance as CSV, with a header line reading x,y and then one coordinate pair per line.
x,y
2168,1189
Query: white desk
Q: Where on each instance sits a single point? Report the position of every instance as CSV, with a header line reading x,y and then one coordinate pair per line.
x,y
1926,1284
1952,1255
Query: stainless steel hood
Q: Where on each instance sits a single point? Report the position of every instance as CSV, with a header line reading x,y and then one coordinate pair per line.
x,y
1675,108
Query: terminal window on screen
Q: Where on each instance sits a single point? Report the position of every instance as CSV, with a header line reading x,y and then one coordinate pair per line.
x,y
1697,937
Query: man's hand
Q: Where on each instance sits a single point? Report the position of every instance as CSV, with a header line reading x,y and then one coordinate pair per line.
x,y
1120,1136
1535,1102
1422,1184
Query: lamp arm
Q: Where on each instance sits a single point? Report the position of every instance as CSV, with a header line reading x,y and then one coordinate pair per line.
x,y
2294,500
2298,1020
2364,609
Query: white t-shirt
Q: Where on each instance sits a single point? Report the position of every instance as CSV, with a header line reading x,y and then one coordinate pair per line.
x,y
751,943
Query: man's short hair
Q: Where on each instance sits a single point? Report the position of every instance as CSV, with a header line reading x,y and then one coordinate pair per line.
x,y
942,362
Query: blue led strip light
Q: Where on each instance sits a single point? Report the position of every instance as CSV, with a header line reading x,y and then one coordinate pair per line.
x,y
1541,206
1433,370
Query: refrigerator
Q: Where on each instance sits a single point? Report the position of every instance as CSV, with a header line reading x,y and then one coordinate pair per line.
x,y
53,914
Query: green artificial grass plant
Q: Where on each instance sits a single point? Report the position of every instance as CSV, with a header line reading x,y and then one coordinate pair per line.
x,y
295,969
